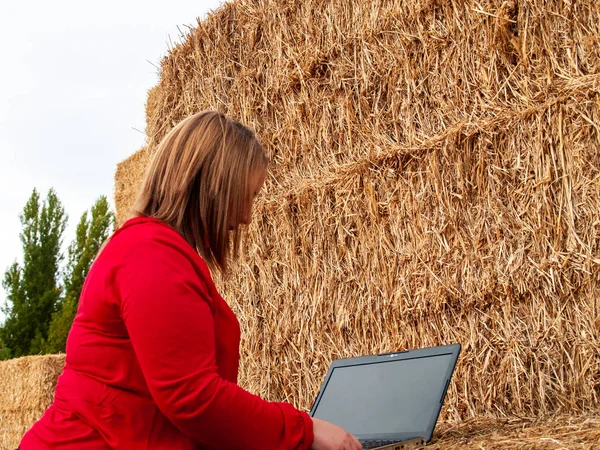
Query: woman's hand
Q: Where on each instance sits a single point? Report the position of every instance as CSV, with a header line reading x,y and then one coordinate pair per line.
x,y
331,437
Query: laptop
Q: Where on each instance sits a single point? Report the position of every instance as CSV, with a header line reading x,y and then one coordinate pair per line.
x,y
388,401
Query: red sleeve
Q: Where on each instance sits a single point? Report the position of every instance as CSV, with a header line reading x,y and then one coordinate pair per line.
x,y
165,307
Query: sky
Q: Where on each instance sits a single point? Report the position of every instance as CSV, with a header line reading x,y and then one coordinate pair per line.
x,y
73,83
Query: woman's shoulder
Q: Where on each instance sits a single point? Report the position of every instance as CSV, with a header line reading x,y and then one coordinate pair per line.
x,y
146,237
141,225
140,230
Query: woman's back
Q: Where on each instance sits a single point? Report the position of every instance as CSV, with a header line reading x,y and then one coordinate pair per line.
x,y
102,397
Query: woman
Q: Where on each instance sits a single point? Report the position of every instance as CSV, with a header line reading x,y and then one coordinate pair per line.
x,y
152,356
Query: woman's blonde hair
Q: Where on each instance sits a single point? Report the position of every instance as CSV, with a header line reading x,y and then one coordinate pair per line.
x,y
199,178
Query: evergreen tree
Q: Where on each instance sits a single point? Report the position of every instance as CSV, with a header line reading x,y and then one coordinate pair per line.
x,y
33,290
4,352
91,233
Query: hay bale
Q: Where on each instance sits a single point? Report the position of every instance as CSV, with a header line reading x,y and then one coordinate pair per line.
x,y
325,83
474,237
26,390
128,180
152,105
435,179
556,433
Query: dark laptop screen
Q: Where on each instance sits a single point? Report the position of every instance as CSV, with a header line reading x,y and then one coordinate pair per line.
x,y
385,397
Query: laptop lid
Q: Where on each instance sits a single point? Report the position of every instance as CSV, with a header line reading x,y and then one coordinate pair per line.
x,y
389,396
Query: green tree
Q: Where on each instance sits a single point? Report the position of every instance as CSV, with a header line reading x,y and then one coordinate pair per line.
x,y
4,352
91,233
32,289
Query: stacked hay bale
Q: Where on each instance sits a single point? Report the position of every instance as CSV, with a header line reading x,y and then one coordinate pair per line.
x,y
26,389
435,178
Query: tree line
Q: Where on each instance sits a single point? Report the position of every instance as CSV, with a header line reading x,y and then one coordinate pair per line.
x,y
41,298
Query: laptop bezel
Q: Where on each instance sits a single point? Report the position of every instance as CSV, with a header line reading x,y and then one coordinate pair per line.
x,y
453,350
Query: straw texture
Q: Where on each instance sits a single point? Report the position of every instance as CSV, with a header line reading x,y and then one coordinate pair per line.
x,y
434,179
26,390
128,179
562,432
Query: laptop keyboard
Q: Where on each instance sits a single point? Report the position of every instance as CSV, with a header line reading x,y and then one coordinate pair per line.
x,y
374,443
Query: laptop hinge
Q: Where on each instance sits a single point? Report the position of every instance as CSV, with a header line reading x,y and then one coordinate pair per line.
x,y
404,445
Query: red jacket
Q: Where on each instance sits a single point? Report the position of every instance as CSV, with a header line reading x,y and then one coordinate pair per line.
x,y
152,359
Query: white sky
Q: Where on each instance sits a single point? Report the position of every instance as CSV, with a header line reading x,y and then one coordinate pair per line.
x,y
73,82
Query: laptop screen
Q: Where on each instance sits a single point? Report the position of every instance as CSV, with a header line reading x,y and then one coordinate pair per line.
x,y
397,396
